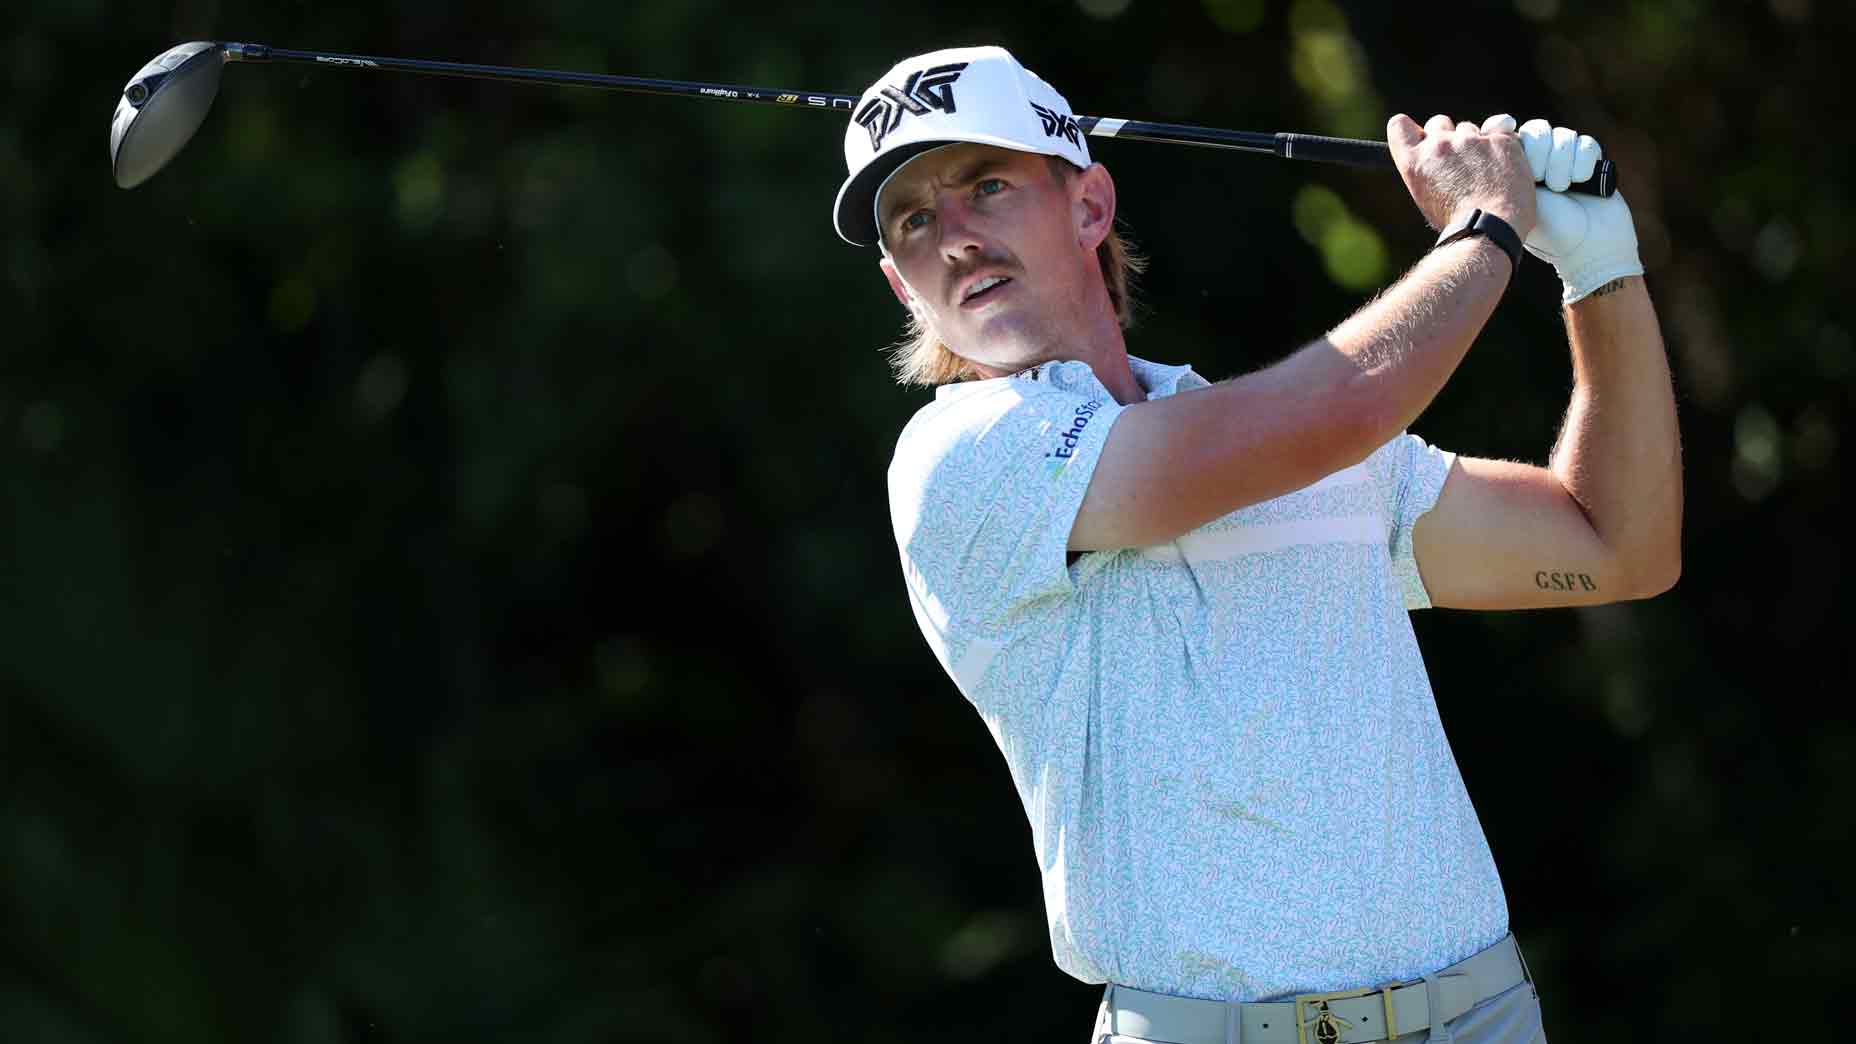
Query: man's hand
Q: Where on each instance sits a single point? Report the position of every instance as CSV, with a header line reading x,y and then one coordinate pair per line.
x,y
1588,240
1451,167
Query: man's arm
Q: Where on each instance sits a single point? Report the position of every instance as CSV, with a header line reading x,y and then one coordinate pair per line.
x,y
1603,521
1173,464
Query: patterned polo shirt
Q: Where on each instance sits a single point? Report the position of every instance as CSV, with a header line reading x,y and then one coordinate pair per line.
x,y
1236,779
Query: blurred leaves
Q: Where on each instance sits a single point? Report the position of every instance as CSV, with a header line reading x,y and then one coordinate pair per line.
x,y
450,592
1329,63
1352,252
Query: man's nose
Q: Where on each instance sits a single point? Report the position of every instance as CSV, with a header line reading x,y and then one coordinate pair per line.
x,y
958,235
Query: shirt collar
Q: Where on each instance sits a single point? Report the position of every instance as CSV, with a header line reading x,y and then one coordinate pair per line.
x,y
1158,380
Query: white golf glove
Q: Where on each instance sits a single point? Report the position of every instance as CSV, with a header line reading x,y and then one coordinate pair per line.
x,y
1589,241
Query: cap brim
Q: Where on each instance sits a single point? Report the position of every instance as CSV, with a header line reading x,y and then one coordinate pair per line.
x,y
855,214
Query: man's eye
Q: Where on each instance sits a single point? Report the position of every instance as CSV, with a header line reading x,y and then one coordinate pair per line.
x,y
989,186
915,221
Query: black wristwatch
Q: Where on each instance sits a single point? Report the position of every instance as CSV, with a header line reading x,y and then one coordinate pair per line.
x,y
1476,222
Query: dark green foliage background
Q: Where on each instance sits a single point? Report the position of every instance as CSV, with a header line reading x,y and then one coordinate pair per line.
x,y
448,591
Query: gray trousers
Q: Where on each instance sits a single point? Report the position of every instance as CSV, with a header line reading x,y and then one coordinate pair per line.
x,y
1506,1018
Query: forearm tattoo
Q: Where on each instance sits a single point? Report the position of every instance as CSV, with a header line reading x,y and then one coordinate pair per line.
x,y
1609,288
1547,581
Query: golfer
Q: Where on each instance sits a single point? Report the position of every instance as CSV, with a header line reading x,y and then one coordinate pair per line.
x,y
1181,608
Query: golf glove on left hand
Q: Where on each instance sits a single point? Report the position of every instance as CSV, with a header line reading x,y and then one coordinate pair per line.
x,y
1589,241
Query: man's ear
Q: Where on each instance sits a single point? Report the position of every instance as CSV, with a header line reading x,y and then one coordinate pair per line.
x,y
1092,193
896,285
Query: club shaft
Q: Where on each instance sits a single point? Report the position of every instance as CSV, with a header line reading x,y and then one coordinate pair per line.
x,y
1353,152
509,74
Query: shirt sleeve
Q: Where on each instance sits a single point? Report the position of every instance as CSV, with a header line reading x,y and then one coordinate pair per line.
x,y
983,492
1412,474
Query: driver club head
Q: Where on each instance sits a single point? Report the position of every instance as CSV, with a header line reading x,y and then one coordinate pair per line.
x,y
160,108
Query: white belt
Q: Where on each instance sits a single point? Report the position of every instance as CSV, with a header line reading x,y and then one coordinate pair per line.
x,y
1348,1017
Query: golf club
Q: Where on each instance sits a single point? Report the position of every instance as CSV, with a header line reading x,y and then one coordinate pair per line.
x,y
165,102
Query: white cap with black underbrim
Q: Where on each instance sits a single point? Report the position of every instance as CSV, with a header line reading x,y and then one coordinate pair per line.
x,y
962,94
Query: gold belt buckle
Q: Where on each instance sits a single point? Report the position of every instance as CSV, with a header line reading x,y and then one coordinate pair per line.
x,y
1311,1009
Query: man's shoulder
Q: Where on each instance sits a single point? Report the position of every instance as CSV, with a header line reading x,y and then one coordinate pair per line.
x,y
973,436
970,409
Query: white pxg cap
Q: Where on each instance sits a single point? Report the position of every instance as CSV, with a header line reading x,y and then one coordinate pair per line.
x,y
962,94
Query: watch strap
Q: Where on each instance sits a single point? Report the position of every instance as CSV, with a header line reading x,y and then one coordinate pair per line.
x,y
1481,223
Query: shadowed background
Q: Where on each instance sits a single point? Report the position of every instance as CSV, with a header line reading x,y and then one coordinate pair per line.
x,y
448,587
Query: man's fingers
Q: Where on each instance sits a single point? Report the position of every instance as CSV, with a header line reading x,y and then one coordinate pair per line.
x,y
1559,162
1585,158
1558,156
1440,125
1497,123
1403,132
1537,142
1465,125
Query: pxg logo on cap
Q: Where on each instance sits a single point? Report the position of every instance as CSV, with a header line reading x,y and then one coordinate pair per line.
x,y
925,89
962,94
1058,124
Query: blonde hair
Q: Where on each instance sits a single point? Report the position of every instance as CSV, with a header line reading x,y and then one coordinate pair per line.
x,y
921,358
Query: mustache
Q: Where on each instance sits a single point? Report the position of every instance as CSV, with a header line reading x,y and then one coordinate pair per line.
x,y
998,262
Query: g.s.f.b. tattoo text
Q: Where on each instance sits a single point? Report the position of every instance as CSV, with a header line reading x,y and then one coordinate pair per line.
x,y
1564,581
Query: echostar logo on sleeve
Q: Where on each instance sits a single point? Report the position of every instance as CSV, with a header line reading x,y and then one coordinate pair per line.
x,y
1065,451
925,89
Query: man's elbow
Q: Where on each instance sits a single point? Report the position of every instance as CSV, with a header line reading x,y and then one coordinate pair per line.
x,y
1657,576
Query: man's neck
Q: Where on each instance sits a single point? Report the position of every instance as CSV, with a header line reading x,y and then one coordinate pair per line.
x,y
1107,357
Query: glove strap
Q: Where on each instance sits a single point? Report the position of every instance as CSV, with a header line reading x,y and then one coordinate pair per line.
x,y
1480,223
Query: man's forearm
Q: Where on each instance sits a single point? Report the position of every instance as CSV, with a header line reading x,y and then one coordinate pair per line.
x,y
1172,464
1619,453
1399,350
